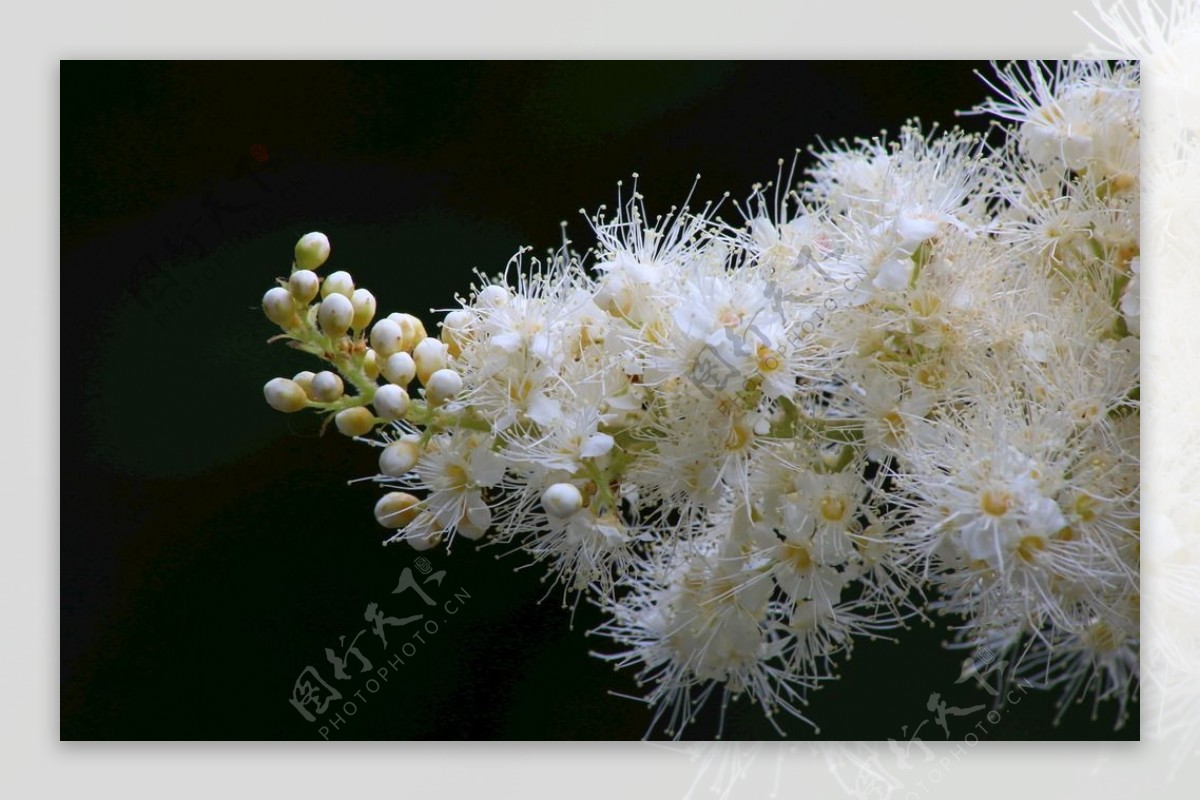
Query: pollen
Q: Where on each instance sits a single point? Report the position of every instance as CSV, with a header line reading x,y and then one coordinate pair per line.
x,y
769,359
456,476
832,508
894,421
1085,507
1102,637
798,556
1029,547
996,502
739,436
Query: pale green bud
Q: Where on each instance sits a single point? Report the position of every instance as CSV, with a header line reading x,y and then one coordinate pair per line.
x,y
364,309
312,250
304,286
339,283
279,307
371,364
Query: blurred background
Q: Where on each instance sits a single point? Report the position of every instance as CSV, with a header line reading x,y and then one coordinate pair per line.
x,y
212,549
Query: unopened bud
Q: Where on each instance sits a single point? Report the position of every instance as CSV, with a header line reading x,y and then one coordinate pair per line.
x,y
335,315
339,283
327,386
562,500
386,337
455,330
304,286
312,250
371,364
304,378
285,395
279,307
491,297
429,356
391,402
355,421
396,509
364,309
399,369
443,385
398,458
424,532
425,540
411,327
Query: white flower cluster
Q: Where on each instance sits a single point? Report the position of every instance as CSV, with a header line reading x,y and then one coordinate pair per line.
x,y
908,382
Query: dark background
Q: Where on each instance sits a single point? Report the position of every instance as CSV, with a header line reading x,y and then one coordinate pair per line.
x,y
211,548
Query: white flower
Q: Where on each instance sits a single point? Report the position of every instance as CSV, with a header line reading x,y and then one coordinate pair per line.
x,y
909,381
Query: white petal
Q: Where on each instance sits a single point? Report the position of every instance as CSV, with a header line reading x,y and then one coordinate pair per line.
x,y
487,466
596,445
507,342
893,275
916,228
543,410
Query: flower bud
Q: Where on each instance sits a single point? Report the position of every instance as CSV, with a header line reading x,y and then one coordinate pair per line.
x,y
364,309
312,250
327,386
355,421
339,283
335,315
399,369
411,327
304,286
443,385
562,500
425,533
399,458
386,337
492,297
371,364
429,355
285,395
304,378
277,304
458,320
424,540
396,509
391,402
455,330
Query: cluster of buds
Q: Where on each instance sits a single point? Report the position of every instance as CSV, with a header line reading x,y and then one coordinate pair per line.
x,y
914,373
331,318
